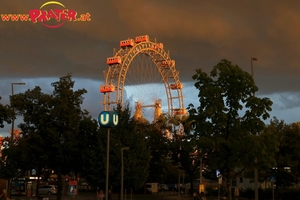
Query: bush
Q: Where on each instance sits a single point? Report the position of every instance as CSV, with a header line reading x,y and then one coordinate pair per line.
x,y
211,191
248,193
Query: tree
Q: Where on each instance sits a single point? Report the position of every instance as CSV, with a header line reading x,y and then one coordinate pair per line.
x,y
128,133
231,116
287,170
58,135
11,159
187,150
157,144
5,114
292,151
91,155
51,124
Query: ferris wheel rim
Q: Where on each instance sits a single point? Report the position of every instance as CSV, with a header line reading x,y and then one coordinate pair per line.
x,y
156,55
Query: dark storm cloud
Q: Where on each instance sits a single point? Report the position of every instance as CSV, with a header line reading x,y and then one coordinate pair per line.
x,y
197,33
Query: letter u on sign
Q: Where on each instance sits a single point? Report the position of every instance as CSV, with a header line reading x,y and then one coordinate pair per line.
x,y
108,119
115,120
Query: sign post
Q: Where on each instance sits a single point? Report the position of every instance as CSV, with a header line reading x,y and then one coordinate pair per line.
x,y
108,119
219,183
273,180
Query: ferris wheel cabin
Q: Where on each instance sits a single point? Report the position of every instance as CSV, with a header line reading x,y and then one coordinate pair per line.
x,y
114,60
127,43
168,63
179,111
158,46
176,86
107,88
142,38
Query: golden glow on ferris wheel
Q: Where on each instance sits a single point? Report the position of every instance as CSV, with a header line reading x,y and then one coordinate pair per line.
x,y
141,71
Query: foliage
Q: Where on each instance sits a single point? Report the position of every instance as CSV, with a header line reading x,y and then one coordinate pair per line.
x,y
231,117
91,150
5,114
287,170
58,135
180,155
130,134
160,163
188,153
50,128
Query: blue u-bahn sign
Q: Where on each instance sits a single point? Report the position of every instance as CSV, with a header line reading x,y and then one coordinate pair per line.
x,y
108,119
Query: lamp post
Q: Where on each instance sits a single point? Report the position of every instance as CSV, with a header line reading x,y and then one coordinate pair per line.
x,y
122,170
12,133
255,169
107,164
108,119
13,120
252,59
200,178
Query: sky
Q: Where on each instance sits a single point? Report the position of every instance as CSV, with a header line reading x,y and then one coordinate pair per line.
x,y
197,33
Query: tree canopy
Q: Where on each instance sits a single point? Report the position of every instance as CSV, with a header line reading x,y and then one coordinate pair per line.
x,y
58,135
232,118
225,132
50,127
5,114
130,134
287,169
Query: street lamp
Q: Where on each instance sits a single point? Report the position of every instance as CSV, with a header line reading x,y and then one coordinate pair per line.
x,y
252,59
255,169
12,132
13,120
122,170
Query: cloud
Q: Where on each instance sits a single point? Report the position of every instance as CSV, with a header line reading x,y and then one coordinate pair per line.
x,y
196,33
285,101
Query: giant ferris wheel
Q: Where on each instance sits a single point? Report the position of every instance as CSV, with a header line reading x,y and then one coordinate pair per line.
x,y
141,71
